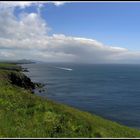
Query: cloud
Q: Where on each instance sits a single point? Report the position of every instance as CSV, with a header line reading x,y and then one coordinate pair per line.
x,y
59,3
27,37
23,4
28,25
6,54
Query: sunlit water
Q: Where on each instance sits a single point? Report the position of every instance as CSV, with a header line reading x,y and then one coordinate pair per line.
x,y
111,91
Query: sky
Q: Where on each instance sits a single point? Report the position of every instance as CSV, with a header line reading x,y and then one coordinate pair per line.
x,y
81,32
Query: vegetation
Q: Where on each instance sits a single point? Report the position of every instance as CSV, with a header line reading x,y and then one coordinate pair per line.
x,y
23,114
10,66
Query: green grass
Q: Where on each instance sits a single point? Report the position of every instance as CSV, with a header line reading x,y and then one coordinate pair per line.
x,y
23,114
9,66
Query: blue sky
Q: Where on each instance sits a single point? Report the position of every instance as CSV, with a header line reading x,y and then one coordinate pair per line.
x,y
89,32
112,23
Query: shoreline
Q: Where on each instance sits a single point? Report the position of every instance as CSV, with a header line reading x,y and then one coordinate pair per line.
x,y
37,85
41,85
29,115
40,90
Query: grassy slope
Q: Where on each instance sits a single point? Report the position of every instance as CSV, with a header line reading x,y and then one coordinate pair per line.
x,y
9,66
26,115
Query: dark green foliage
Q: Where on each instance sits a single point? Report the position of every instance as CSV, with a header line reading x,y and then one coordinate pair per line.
x,y
10,66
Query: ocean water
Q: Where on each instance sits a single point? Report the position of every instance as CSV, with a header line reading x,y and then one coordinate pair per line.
x,y
111,91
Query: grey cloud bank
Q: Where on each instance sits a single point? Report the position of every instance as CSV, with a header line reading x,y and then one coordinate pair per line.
x,y
27,37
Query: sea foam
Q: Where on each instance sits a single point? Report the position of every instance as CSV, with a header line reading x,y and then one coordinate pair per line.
x,y
63,68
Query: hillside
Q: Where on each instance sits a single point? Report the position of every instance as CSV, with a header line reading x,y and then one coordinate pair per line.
x,y
23,114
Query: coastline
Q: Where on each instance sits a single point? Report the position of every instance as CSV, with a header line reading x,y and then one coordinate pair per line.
x,y
37,85
28,115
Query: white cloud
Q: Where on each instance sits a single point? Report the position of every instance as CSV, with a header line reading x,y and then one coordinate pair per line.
x,y
23,4
6,54
27,37
59,3
28,25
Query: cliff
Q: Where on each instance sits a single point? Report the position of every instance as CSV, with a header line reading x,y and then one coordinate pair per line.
x,y
21,80
23,114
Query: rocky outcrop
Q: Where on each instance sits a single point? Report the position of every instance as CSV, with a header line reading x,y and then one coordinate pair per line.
x,y
25,70
21,80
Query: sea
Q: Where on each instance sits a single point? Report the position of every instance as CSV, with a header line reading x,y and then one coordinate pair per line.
x,y
109,90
